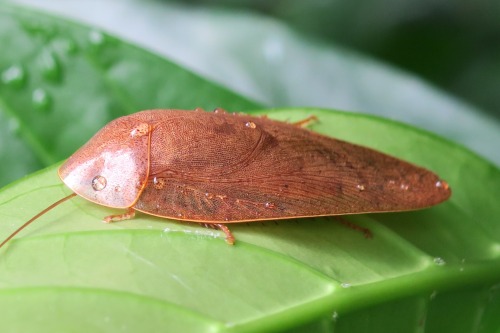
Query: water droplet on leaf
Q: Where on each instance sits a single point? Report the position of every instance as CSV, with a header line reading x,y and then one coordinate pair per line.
x,y
50,66
14,126
41,100
439,261
97,38
14,76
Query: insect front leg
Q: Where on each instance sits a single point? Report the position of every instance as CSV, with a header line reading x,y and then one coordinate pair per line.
x,y
129,214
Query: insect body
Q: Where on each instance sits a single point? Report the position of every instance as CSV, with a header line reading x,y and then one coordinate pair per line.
x,y
219,168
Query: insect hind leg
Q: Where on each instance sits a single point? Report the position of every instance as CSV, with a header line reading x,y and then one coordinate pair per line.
x,y
222,227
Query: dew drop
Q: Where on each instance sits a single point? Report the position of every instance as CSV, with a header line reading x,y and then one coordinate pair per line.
x,y
68,46
39,29
99,183
270,205
159,183
50,66
140,130
219,110
360,187
41,100
250,124
345,285
96,38
404,187
439,261
442,184
14,76
14,126
209,195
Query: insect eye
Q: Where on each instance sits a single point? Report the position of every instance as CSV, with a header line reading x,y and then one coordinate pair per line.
x,y
99,183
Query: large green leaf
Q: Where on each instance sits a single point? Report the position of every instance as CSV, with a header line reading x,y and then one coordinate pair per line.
x,y
433,270
61,82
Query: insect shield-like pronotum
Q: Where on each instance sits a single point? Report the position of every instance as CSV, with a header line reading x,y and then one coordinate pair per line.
x,y
219,168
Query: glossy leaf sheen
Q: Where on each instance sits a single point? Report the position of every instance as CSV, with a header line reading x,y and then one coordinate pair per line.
x,y
308,274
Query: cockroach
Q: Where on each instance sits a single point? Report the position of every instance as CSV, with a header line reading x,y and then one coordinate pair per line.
x,y
217,168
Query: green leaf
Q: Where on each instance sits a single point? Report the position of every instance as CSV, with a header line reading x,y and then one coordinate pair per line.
x,y
422,270
61,82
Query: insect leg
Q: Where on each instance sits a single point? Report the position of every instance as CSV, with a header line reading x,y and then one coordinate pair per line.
x,y
305,122
366,232
222,227
129,214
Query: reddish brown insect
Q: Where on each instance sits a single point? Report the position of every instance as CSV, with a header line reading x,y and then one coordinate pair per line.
x,y
219,168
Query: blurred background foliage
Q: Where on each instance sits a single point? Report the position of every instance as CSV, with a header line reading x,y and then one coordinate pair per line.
x,y
454,44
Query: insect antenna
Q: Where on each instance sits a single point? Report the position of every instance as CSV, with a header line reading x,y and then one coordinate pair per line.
x,y
58,202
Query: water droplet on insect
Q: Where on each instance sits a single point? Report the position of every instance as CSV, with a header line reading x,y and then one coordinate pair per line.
x,y
404,187
220,110
140,130
50,66
250,124
96,38
439,261
179,215
14,76
209,195
159,183
360,187
270,205
442,184
41,100
99,183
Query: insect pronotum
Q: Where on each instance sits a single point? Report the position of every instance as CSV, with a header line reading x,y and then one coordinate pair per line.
x,y
218,168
